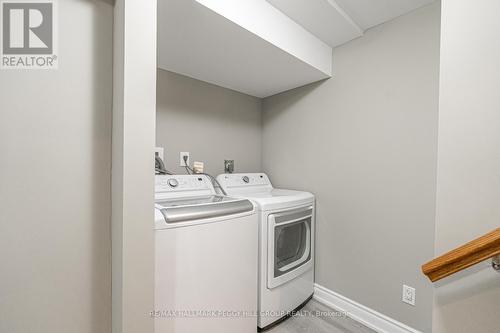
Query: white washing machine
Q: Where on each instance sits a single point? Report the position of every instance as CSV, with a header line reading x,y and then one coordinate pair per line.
x,y
205,259
286,244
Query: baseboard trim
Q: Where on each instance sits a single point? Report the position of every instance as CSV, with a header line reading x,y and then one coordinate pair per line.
x,y
368,317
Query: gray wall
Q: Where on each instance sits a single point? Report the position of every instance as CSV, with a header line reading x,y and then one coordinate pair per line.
x,y
55,148
468,180
365,143
210,122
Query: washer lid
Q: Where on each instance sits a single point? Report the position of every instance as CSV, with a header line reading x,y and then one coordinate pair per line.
x,y
189,209
191,201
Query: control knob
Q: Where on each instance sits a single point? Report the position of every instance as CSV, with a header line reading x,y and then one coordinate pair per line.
x,y
172,182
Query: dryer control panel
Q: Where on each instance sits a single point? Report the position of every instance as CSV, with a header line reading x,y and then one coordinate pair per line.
x,y
244,180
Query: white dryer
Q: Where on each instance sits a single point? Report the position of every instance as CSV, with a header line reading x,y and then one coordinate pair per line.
x,y
205,260
286,244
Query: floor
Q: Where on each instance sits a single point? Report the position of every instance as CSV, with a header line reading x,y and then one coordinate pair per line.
x,y
318,318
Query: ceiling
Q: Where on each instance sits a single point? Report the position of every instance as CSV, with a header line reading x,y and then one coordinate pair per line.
x,y
338,21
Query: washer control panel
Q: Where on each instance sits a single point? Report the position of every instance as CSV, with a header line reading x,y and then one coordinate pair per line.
x,y
174,183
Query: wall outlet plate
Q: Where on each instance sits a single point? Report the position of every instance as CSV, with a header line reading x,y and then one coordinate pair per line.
x,y
228,166
159,151
181,158
408,295
198,167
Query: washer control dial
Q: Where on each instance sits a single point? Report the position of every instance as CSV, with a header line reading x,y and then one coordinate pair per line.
x,y
172,182
246,179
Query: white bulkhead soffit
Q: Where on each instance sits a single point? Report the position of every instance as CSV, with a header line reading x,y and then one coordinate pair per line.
x,y
245,45
264,47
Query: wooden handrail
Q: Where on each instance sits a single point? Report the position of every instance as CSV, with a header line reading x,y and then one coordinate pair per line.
x,y
482,248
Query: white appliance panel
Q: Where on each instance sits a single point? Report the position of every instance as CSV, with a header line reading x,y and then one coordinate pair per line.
x,y
208,273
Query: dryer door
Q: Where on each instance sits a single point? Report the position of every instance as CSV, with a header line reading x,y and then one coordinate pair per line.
x,y
289,245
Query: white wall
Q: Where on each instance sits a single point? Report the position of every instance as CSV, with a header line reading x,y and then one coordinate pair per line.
x,y
55,162
211,122
468,193
365,143
134,101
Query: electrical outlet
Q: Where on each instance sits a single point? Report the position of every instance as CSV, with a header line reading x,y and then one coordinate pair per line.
x,y
408,295
159,151
181,158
